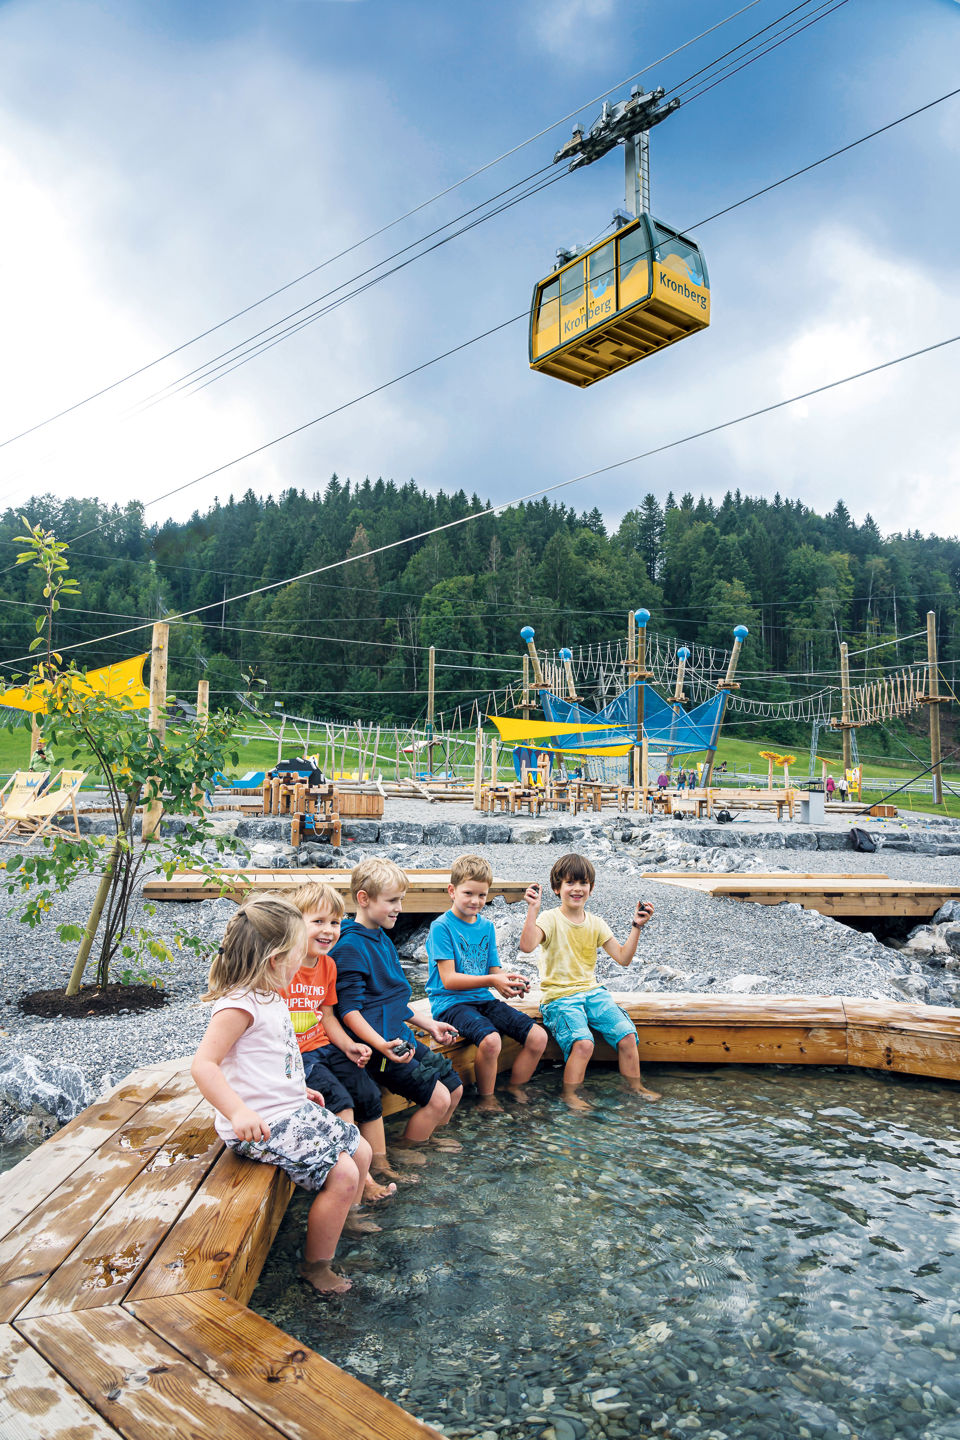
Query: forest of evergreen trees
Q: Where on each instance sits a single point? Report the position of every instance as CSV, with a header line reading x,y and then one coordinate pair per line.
x,y
352,641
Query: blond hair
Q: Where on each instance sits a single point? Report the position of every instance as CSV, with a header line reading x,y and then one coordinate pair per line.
x,y
374,876
316,896
264,929
471,867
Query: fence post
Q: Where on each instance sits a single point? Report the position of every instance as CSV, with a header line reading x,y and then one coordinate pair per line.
x,y
158,713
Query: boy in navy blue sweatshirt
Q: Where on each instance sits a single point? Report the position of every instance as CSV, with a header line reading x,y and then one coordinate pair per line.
x,y
373,1004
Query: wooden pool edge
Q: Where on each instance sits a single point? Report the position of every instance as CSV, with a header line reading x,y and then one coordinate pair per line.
x,y
164,1342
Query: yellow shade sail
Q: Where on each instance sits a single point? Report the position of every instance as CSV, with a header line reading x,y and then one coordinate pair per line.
x,y
517,732
123,682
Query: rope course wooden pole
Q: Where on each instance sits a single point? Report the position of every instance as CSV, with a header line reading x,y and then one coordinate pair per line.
x,y
933,698
158,712
845,706
431,700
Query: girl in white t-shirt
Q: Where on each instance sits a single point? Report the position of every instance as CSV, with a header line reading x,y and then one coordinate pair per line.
x,y
248,1066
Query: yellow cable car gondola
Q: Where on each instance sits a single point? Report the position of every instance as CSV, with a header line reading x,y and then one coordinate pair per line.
x,y
641,289
636,292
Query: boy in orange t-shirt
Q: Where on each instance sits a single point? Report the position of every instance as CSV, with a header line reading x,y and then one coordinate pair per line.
x,y
333,1061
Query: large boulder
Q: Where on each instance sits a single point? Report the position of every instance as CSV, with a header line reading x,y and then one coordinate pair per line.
x,y
441,832
481,833
359,832
43,1087
264,827
950,910
400,832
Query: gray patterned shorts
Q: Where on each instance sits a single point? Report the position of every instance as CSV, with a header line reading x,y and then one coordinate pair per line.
x,y
305,1144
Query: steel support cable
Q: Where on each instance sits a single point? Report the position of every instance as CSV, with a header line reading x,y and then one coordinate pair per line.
x,y
211,371
142,369
267,343
250,454
721,426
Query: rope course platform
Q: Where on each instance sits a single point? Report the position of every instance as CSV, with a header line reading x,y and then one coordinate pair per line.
x,y
837,895
426,889
131,1242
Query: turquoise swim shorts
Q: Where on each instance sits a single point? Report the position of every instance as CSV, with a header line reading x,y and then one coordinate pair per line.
x,y
573,1017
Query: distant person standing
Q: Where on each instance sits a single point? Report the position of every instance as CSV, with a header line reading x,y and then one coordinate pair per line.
x,y
830,786
843,787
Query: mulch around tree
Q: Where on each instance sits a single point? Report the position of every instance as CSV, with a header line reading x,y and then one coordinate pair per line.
x,y
92,1000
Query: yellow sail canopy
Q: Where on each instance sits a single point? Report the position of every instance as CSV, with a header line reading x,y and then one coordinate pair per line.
x,y
517,732
123,682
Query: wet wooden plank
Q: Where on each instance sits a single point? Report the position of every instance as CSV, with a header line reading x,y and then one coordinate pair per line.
x,y
43,1239
36,1403
141,1386
743,1044
907,1039
108,1260
283,1381
24,1187
221,1239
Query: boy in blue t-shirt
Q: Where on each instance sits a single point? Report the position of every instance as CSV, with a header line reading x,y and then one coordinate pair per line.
x,y
465,972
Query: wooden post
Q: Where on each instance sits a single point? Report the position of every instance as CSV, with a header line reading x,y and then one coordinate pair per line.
x,y
641,618
526,707
158,712
283,722
477,768
845,706
933,697
431,697
494,759
203,715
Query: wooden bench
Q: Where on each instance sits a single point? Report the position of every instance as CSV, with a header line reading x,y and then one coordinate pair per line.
x,y
778,800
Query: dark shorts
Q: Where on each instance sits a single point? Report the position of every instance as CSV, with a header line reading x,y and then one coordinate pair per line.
x,y
417,1080
343,1085
488,1017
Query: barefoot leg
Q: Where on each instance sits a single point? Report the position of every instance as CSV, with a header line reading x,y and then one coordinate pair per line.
x,y
529,1057
573,1074
325,1224
628,1058
485,1065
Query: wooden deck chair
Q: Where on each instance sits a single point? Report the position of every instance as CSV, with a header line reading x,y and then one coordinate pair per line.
x,y
19,791
37,819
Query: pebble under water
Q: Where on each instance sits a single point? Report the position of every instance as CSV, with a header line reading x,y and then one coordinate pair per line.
x,y
765,1254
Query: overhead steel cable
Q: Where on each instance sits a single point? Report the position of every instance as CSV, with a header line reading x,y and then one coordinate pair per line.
x,y
381,230
426,364
210,371
521,499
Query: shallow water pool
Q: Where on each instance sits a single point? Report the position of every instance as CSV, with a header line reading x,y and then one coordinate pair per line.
x,y
766,1253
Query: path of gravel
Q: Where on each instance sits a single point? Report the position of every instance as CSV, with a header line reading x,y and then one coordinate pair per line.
x,y
694,943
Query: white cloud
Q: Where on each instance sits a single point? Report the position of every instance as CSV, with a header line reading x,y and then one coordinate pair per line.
x,y
573,30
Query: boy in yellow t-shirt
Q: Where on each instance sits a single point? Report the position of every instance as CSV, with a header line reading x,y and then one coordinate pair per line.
x,y
574,1003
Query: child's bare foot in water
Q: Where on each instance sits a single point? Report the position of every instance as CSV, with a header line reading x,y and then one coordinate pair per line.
x,y
489,1105
445,1143
519,1094
572,1097
408,1153
373,1191
357,1223
322,1276
638,1088
382,1170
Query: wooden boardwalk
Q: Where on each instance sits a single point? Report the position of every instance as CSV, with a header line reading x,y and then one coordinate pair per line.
x,y
853,894
426,893
131,1241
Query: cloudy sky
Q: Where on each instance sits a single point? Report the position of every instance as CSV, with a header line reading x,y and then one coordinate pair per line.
x,y
165,165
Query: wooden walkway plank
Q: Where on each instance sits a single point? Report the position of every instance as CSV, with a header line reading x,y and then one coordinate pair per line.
x,y
108,1260
906,1039
426,892
24,1187
292,1387
142,1387
35,1403
222,1237
862,894
43,1239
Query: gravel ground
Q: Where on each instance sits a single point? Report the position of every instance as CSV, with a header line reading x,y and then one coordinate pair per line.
x,y
694,943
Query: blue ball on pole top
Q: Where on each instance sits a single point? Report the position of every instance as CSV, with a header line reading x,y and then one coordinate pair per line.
x,y
527,633
641,617
740,633
566,654
683,653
